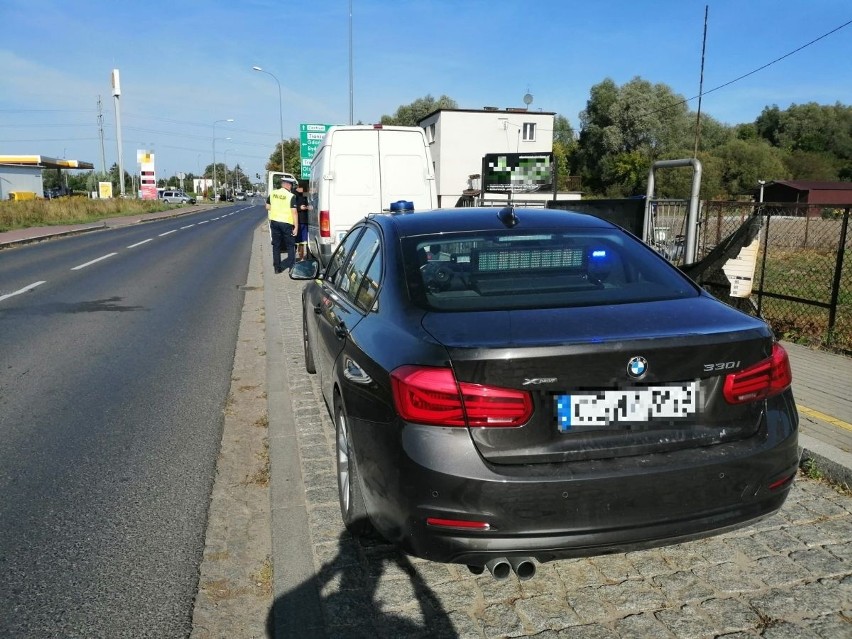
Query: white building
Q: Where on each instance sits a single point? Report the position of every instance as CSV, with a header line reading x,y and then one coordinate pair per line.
x,y
23,173
460,138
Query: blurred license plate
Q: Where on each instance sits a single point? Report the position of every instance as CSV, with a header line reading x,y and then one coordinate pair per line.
x,y
634,405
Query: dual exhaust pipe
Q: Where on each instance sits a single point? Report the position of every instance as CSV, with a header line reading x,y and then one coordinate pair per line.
x,y
502,567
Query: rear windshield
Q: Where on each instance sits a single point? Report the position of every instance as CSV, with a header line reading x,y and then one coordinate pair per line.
x,y
511,270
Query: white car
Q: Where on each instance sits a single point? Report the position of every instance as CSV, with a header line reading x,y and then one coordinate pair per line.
x,y
175,197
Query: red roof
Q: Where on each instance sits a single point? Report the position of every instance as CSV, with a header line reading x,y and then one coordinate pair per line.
x,y
807,185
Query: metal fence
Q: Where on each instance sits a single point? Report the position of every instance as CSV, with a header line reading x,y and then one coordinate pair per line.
x,y
803,278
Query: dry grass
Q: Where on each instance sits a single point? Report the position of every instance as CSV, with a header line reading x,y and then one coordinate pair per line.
x,y
70,210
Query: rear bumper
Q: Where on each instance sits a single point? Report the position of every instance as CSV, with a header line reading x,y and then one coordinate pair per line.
x,y
571,509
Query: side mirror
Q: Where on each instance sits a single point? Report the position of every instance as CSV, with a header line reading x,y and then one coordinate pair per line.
x,y
305,270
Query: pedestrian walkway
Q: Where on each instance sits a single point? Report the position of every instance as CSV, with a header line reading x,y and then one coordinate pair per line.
x,y
822,381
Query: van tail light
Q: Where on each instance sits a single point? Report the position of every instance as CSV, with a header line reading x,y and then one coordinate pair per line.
x,y
428,395
324,224
767,378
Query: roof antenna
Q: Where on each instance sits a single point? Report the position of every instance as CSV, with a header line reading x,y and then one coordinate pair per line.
x,y
507,216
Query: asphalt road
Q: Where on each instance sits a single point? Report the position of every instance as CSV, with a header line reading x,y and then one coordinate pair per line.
x,y
115,357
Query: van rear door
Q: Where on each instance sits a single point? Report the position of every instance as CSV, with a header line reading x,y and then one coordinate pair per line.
x,y
355,187
405,171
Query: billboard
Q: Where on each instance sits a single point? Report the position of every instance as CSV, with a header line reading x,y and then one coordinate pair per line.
x,y
513,173
310,137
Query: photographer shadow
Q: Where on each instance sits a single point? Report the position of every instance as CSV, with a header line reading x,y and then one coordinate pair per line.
x,y
367,589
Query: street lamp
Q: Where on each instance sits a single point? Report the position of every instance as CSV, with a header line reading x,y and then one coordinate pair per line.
x,y
214,154
761,183
280,112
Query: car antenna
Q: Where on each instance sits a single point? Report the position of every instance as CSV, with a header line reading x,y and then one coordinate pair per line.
x,y
507,216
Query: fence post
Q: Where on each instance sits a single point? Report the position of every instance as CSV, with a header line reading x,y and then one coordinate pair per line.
x,y
838,268
767,217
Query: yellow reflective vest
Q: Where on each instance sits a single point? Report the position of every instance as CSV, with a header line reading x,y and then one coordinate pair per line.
x,y
281,206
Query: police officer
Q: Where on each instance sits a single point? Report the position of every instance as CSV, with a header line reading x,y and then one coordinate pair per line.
x,y
283,225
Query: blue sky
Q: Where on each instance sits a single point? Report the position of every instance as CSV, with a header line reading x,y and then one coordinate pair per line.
x,y
186,63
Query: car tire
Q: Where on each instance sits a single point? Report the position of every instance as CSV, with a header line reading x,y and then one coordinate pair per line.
x,y
310,365
352,507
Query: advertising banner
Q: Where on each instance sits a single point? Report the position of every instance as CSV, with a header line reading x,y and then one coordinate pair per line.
x,y
513,173
104,190
311,136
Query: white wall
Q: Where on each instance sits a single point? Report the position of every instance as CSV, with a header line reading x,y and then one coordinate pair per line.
x,y
20,178
462,138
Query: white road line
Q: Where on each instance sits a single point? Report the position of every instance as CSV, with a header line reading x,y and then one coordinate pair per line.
x,y
102,257
168,232
23,290
204,222
215,218
150,239
188,226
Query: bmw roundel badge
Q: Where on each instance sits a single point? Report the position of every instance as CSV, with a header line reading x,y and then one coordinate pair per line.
x,y
637,367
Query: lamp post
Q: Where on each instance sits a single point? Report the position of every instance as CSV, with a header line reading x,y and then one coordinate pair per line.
x,y
280,112
761,183
214,154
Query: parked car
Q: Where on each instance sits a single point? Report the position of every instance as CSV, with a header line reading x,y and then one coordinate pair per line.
x,y
537,384
176,197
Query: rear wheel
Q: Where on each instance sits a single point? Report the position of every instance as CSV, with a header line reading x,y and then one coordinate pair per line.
x,y
310,366
352,506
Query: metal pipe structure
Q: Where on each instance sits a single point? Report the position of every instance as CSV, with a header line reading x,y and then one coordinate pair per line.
x,y
690,246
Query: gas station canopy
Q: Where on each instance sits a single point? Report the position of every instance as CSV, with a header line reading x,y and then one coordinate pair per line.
x,y
44,162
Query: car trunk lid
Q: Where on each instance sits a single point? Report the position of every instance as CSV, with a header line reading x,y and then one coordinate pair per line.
x,y
583,369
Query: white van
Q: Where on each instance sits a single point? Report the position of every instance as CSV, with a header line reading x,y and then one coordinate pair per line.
x,y
363,169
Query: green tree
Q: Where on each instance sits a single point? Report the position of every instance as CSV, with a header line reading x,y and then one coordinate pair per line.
x,y
624,129
292,159
744,163
411,114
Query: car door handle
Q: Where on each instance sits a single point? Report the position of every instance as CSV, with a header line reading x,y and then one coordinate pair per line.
x,y
341,331
318,308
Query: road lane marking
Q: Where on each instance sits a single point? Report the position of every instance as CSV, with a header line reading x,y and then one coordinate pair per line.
x,y
204,222
810,412
188,226
215,218
168,232
150,239
29,287
102,257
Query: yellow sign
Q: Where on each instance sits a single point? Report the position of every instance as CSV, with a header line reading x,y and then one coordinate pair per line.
x,y
104,190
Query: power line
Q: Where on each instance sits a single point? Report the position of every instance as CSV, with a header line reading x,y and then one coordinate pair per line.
x,y
745,75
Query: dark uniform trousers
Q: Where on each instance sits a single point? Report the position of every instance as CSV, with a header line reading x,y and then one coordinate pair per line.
x,y
282,241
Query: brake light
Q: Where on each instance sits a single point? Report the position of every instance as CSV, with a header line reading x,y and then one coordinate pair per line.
x,y
462,524
378,126
324,224
428,395
767,378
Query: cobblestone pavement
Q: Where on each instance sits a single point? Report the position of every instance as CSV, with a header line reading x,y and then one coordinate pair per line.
x,y
789,576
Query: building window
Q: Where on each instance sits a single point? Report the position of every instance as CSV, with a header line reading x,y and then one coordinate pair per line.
x,y
529,131
430,133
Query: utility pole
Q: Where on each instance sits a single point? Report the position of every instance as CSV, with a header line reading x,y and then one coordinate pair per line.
x,y
101,133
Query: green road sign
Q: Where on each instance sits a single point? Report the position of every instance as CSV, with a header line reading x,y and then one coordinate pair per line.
x,y
310,137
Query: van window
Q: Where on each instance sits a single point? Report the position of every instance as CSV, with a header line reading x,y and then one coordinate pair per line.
x,y
355,175
405,176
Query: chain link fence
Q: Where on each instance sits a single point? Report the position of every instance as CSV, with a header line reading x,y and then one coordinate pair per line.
x,y
803,279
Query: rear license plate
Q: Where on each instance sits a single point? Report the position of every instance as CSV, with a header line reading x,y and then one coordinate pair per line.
x,y
633,405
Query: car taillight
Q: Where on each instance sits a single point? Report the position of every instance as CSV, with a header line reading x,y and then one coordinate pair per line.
x,y
428,395
759,381
324,224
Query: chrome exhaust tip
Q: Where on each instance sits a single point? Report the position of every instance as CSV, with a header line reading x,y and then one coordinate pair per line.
x,y
524,567
499,567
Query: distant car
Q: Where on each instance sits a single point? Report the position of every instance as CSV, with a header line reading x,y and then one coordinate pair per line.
x,y
240,196
519,384
176,197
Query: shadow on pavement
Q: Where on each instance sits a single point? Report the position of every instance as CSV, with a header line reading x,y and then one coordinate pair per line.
x,y
368,589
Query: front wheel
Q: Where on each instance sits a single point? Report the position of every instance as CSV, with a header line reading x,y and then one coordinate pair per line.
x,y
352,507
